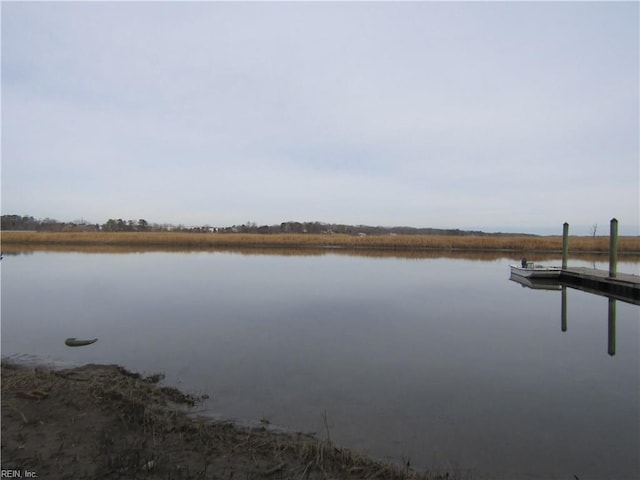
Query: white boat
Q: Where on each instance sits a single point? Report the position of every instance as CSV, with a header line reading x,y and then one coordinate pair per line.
x,y
535,270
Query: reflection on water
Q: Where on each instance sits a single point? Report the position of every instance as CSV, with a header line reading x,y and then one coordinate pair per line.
x,y
590,258
440,360
551,284
537,283
611,321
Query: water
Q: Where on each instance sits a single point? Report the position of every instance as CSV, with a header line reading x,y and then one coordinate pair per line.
x,y
440,360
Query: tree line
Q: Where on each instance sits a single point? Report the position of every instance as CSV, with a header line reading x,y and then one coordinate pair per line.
x,y
17,222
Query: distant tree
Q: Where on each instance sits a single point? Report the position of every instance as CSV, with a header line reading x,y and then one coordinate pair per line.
x,y
50,225
143,225
110,225
16,222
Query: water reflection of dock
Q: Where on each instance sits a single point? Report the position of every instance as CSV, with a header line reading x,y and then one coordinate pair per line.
x,y
560,285
624,287
611,317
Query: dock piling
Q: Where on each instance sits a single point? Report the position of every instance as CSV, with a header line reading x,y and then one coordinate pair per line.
x,y
613,248
565,245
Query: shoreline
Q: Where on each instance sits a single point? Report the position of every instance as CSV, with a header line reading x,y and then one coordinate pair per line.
x,y
103,421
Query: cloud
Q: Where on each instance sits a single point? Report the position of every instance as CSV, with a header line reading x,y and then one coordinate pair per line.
x,y
430,114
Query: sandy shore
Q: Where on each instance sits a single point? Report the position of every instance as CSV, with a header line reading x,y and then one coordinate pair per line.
x,y
103,422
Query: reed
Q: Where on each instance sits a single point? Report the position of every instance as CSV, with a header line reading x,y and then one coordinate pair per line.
x,y
626,244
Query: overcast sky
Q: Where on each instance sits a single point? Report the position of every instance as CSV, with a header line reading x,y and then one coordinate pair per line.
x,y
497,116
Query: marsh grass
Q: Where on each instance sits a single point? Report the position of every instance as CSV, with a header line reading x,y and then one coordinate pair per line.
x,y
626,244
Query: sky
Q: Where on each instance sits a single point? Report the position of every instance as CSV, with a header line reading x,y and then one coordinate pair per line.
x,y
498,116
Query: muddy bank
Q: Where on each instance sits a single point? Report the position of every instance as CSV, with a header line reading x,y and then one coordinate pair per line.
x,y
103,422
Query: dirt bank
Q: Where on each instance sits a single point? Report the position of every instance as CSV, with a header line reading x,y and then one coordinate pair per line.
x,y
103,422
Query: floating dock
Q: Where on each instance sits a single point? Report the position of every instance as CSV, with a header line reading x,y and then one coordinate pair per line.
x,y
622,285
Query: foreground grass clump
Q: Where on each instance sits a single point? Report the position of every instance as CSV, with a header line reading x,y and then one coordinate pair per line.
x,y
626,244
101,421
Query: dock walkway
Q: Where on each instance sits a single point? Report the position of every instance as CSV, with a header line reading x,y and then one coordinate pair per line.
x,y
624,284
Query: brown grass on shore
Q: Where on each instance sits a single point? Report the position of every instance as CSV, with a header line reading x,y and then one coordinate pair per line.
x,y
626,244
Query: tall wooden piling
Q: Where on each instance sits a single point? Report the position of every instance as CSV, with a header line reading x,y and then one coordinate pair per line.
x,y
613,248
565,244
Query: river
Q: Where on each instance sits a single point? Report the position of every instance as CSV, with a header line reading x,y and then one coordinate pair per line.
x,y
442,360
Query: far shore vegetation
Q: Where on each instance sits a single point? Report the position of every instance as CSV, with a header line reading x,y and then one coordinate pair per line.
x,y
26,232
503,243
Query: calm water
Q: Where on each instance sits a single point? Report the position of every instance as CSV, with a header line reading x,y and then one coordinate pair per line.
x,y
443,361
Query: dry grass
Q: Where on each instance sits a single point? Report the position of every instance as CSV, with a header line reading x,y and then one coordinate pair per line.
x,y
626,244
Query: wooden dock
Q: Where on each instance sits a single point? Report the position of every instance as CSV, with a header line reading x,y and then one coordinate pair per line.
x,y
622,286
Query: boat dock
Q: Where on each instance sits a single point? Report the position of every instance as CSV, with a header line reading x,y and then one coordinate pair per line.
x,y
622,285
